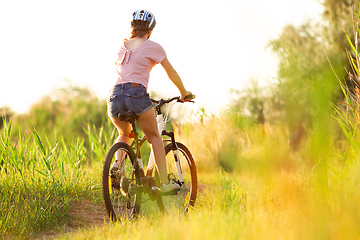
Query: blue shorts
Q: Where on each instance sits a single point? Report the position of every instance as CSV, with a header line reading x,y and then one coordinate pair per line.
x,y
124,97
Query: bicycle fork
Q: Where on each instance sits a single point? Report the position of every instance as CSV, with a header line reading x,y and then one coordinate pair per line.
x,y
178,166
175,151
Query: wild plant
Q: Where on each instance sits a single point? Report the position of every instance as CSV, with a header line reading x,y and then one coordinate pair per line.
x,y
39,181
348,111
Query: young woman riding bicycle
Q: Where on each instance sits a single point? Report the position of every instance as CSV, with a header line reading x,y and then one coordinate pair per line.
x,y
136,58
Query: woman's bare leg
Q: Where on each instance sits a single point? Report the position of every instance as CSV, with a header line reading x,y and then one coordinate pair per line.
x,y
148,124
124,128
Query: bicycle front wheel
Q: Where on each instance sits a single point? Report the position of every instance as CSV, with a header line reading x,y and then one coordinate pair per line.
x,y
120,198
184,199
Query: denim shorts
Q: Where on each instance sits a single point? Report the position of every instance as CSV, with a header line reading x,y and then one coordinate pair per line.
x,y
124,97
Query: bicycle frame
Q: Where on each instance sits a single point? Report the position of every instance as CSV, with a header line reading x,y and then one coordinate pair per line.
x,y
161,127
137,143
123,188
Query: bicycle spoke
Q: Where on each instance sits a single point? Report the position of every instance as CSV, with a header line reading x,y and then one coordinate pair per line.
x,y
124,187
180,202
119,203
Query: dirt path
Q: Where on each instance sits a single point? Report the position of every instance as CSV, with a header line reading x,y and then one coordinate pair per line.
x,y
85,214
82,215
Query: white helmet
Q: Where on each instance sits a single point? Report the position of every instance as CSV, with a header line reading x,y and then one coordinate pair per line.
x,y
147,17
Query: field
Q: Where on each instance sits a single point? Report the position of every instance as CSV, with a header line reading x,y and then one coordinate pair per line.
x,y
279,162
252,186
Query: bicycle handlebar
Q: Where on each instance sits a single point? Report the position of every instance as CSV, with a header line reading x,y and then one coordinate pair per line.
x,y
161,102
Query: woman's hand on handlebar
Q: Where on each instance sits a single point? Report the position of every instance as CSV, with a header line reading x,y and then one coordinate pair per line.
x,y
187,96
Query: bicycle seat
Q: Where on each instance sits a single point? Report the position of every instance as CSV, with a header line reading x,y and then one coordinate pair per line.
x,y
127,116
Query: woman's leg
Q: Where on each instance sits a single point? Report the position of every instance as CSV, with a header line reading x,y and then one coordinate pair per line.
x,y
124,128
148,124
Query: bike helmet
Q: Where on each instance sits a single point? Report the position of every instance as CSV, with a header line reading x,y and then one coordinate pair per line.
x,y
142,19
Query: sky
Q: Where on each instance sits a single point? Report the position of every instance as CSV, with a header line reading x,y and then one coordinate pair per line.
x,y
215,46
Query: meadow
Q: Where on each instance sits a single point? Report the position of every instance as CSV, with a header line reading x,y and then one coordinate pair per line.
x,y
280,162
253,185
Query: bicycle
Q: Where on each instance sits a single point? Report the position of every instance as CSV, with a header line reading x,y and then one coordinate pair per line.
x,y
127,188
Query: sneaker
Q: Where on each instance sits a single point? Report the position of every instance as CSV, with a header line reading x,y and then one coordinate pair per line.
x,y
118,167
117,173
170,187
116,164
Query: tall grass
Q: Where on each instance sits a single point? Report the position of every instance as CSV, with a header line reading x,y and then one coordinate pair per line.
x,y
293,205
253,183
39,181
265,189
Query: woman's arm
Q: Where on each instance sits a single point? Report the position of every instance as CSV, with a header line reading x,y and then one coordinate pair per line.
x,y
175,78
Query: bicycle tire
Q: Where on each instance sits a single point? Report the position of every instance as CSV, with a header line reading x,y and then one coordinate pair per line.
x,y
120,205
180,203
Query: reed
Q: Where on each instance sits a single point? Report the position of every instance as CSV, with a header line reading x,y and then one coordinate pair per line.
x,y
39,182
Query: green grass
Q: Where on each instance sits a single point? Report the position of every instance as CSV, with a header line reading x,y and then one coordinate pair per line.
x,y
252,185
39,182
292,205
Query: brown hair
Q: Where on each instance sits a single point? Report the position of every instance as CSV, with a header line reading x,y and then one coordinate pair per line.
x,y
139,28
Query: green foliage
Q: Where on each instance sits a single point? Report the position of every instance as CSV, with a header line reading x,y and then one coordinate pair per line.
x,y
348,111
39,181
64,112
338,14
251,178
306,86
247,107
306,81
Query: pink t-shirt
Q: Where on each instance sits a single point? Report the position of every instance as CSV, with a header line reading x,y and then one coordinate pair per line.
x,y
135,65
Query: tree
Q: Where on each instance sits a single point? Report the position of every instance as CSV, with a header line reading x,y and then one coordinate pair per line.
x,y
338,18
65,111
306,81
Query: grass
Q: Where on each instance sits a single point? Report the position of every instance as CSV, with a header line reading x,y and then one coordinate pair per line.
x,y
253,185
268,192
235,206
39,182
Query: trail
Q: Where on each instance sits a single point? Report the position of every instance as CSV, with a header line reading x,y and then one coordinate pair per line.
x,y
84,214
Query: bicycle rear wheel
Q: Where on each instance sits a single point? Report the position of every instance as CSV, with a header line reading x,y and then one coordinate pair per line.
x,y
180,202
120,198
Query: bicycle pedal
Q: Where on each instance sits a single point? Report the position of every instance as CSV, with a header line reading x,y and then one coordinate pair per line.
x,y
133,188
155,189
116,185
172,192
154,192
124,186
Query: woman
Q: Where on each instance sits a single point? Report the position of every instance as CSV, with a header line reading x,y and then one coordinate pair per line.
x,y
136,58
